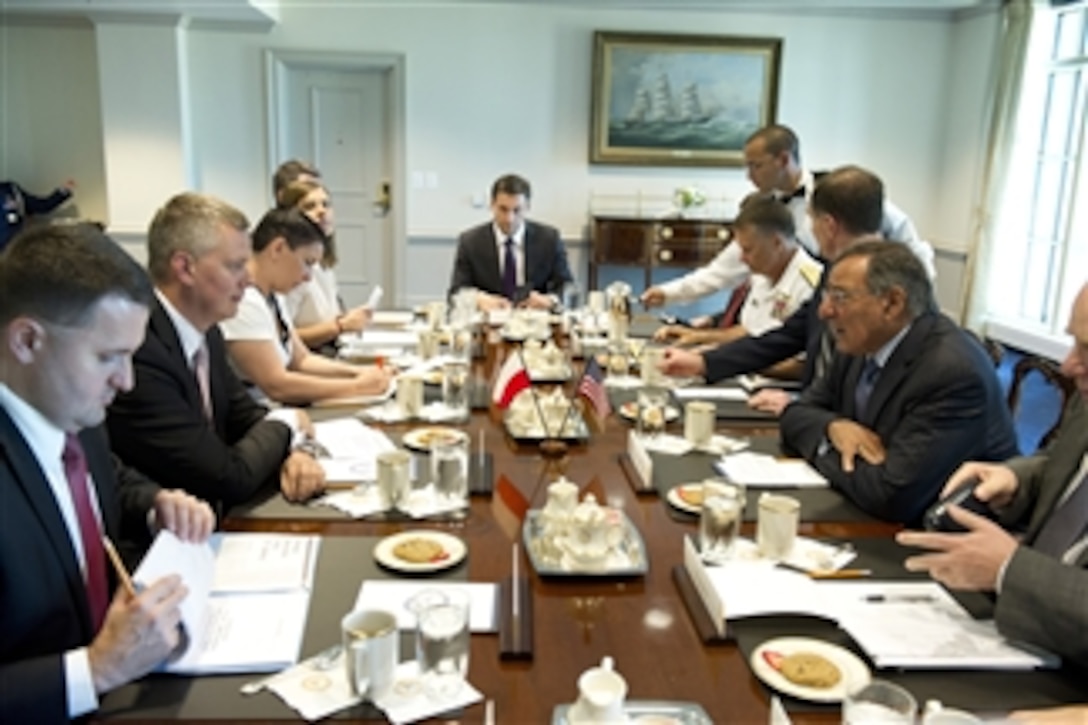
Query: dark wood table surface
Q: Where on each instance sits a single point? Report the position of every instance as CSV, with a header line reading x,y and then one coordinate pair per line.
x,y
641,622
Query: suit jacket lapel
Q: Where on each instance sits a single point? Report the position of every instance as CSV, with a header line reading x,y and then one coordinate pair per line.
x,y
162,327
852,375
1063,463
897,368
489,260
30,479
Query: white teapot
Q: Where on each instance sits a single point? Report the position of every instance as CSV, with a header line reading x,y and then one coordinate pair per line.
x,y
601,691
592,534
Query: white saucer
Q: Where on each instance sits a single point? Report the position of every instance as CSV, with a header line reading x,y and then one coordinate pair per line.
x,y
852,669
454,547
421,439
629,410
673,497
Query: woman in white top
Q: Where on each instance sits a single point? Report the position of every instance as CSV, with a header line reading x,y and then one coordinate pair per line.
x,y
263,344
314,306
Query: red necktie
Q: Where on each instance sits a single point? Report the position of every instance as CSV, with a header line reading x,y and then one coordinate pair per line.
x,y
75,470
731,316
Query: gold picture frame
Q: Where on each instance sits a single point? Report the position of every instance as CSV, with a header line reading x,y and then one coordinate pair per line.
x,y
680,100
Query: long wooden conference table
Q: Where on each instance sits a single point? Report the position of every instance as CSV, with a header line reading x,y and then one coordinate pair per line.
x,y
641,622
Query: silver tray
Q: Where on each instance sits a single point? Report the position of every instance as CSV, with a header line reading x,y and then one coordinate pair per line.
x,y
575,432
632,559
683,713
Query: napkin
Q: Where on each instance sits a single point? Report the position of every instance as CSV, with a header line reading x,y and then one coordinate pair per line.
x,y
425,502
722,445
357,502
623,382
407,700
668,443
387,412
315,688
778,714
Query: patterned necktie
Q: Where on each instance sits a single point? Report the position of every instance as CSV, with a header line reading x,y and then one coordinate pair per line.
x,y
1066,522
509,271
866,382
75,470
731,316
200,369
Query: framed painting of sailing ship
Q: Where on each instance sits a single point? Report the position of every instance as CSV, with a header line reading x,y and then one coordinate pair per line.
x,y
680,100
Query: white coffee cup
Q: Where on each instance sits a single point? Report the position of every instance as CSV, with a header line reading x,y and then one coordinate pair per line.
x,y
410,395
700,417
371,651
428,344
777,529
394,479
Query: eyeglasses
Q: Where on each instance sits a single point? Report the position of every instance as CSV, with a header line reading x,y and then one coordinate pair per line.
x,y
838,297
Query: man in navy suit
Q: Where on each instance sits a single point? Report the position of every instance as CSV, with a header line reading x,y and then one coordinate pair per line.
x,y
907,395
72,312
511,260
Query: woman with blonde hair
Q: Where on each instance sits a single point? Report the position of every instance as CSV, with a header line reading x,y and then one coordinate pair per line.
x,y
314,306
263,344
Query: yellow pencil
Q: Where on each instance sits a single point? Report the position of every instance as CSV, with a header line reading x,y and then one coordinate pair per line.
x,y
119,567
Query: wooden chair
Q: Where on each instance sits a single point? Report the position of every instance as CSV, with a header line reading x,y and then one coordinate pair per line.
x,y
1051,373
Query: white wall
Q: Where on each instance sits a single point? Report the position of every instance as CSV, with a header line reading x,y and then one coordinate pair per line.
x,y
497,88
50,122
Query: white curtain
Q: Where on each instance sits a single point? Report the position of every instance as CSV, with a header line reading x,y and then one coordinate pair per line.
x,y
1008,79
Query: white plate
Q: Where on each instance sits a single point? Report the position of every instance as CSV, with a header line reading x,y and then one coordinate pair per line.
x,y
852,669
673,497
629,410
451,545
420,439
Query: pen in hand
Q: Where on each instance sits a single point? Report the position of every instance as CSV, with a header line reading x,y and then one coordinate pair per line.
x,y
119,567
899,598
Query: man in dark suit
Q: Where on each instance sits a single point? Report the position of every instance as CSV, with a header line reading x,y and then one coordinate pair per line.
x,y
188,421
908,395
1041,578
847,207
511,260
73,310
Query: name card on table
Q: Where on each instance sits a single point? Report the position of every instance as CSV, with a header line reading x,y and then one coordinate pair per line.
x,y
640,459
715,607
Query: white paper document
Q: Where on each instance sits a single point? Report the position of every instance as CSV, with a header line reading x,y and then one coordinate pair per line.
x,y
751,588
759,469
248,598
918,625
375,298
393,596
704,393
753,382
392,318
386,338
353,449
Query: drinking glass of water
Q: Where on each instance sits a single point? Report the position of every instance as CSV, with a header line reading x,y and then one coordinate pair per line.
x,y
720,519
878,701
455,387
449,469
442,644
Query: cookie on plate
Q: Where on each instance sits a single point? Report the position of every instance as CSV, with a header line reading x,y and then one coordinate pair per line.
x,y
417,550
810,670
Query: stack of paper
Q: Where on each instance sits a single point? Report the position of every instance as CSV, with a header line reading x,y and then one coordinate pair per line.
x,y
758,469
353,449
919,625
248,598
703,393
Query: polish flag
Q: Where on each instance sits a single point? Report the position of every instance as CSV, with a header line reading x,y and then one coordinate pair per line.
x,y
511,380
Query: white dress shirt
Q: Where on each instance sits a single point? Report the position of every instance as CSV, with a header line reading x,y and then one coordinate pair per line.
x,y
46,442
519,250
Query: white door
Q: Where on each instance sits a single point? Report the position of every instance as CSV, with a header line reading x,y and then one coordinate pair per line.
x,y
338,120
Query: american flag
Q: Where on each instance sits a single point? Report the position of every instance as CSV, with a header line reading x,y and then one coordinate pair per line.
x,y
591,387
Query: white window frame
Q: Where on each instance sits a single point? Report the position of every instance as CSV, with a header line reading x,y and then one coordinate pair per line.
x,y
1044,212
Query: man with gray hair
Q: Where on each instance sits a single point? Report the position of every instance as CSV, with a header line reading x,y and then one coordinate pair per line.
x,y
907,396
189,422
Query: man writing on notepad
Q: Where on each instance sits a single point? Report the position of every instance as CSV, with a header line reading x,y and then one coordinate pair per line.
x,y
188,421
1041,578
72,312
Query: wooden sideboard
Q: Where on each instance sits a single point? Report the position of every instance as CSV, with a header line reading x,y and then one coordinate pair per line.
x,y
651,243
